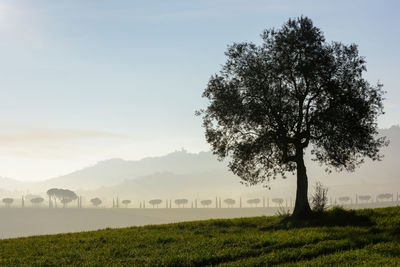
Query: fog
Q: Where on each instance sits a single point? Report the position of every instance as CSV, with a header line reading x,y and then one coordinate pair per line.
x,y
174,188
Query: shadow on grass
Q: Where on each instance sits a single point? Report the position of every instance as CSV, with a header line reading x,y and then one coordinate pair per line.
x,y
334,217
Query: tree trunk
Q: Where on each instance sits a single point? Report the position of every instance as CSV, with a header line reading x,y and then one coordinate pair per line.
x,y
301,208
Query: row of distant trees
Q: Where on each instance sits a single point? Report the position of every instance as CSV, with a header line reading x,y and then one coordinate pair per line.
x,y
36,201
207,202
66,196
367,198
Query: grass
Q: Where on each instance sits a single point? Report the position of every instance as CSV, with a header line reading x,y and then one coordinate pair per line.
x,y
369,237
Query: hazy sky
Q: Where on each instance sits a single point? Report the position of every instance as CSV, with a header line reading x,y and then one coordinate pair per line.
x,y
83,81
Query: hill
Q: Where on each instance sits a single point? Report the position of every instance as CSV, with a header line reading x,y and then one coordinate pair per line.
x,y
114,171
11,184
342,238
192,173
170,185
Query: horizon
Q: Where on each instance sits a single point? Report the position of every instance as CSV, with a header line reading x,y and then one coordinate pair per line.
x,y
80,86
182,149
111,159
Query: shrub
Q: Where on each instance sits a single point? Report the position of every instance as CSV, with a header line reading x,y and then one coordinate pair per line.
x,y
278,200
320,198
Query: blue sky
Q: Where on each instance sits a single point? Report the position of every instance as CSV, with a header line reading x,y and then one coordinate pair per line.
x,y
83,81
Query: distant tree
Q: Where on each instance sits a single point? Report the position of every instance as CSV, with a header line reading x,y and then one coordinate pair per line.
x,y
51,193
155,202
364,198
344,199
180,202
65,196
126,202
29,197
255,201
8,201
36,201
230,202
96,201
278,201
271,101
206,202
386,196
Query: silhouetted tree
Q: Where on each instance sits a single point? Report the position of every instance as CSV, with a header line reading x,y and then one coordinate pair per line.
x,y
230,202
126,202
206,202
96,201
36,201
8,201
180,202
271,101
155,202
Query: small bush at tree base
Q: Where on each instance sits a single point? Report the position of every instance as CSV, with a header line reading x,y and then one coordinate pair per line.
x,y
320,198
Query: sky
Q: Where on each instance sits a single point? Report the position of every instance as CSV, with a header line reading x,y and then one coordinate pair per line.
x,y
84,81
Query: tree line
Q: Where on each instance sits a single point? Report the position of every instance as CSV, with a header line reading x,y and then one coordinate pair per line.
x,y
63,197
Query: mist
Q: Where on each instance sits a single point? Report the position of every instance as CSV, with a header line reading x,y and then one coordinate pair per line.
x,y
194,177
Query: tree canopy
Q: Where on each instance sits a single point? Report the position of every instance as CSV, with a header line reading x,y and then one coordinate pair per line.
x,y
155,202
64,195
96,201
206,202
8,201
37,200
271,101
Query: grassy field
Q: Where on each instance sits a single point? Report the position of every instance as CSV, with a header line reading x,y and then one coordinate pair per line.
x,y
17,222
369,237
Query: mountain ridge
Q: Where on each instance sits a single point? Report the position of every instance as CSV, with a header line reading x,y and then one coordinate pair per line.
x,y
116,171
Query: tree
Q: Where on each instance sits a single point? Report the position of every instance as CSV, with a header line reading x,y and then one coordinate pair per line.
x,y
96,201
385,196
155,202
270,102
344,199
230,202
8,201
206,202
365,197
180,202
36,201
126,202
51,193
255,201
64,195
